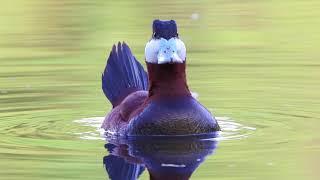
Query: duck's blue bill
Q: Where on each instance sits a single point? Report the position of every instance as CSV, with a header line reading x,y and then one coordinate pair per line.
x,y
168,51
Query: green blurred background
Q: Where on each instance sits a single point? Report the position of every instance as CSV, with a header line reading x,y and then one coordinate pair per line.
x,y
256,61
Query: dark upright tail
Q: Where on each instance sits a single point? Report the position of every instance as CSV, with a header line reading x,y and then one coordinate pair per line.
x,y
122,75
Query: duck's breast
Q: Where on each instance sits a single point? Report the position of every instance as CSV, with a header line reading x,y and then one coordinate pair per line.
x,y
172,116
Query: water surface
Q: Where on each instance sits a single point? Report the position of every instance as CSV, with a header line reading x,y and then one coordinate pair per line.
x,y
164,158
254,61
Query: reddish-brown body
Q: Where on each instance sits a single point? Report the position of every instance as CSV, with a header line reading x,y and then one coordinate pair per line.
x,y
118,119
169,99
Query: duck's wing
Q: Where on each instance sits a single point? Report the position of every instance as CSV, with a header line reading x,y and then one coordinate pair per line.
x,y
122,75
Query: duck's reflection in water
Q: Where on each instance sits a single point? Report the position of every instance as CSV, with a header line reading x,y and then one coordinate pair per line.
x,y
164,158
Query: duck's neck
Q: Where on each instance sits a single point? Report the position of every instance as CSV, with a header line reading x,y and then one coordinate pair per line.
x,y
167,80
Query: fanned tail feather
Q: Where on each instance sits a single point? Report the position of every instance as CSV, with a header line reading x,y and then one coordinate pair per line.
x,y
119,169
122,75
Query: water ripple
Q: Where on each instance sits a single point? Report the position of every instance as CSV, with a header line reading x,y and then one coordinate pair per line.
x,y
231,130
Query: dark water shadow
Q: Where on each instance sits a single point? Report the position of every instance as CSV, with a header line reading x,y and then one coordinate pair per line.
x,y
163,158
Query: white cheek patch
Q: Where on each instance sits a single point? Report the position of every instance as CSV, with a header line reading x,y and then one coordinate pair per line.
x,y
155,46
182,52
151,51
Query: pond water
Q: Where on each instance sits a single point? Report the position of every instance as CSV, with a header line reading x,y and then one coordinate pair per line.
x,y
164,158
254,61
231,130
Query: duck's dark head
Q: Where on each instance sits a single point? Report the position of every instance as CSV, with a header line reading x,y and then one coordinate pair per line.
x,y
165,45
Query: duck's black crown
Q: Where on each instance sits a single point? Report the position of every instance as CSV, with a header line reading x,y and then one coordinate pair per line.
x,y
164,29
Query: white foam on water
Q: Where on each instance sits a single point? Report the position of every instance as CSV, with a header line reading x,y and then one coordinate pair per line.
x,y
97,133
230,130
